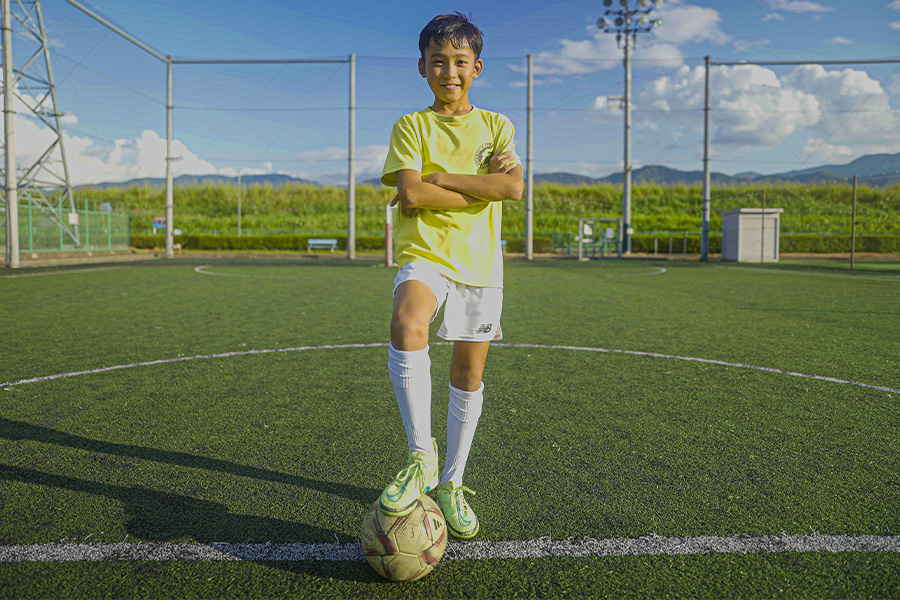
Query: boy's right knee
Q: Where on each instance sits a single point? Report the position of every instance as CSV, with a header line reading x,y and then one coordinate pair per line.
x,y
414,307
409,330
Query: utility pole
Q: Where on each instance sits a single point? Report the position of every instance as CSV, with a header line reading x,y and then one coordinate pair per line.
x,y
704,239
529,165
626,23
12,199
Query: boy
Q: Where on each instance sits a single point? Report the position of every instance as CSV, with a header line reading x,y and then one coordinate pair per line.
x,y
452,164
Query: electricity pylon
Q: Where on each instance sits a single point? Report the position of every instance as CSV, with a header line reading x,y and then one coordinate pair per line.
x,y
43,182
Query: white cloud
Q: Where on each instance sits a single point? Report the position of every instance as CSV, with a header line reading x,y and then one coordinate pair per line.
x,y
369,163
663,55
682,23
828,153
798,6
776,17
266,169
687,23
91,161
894,85
894,25
536,82
840,40
895,5
576,57
755,107
856,109
744,45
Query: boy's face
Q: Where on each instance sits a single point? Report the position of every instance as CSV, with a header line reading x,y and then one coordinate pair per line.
x,y
450,72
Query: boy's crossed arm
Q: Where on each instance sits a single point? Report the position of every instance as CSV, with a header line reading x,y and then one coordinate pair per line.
x,y
452,190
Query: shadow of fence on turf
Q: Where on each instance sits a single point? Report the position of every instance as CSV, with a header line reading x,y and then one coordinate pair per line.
x,y
154,515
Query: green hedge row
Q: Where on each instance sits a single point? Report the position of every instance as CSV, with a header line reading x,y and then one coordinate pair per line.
x,y
292,242
813,244
251,242
639,243
839,243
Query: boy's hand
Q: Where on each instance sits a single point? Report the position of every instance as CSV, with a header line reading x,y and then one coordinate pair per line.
x,y
500,163
404,210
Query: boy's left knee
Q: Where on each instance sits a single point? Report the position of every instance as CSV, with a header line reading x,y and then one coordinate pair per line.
x,y
466,377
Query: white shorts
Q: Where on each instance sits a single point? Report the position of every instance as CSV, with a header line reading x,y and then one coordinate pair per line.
x,y
472,314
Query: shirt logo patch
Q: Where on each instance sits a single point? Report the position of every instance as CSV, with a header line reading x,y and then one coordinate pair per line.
x,y
483,155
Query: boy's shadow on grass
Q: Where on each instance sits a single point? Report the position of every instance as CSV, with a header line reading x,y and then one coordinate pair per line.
x,y
163,516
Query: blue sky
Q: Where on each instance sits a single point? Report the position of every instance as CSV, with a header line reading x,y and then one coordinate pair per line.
x,y
293,119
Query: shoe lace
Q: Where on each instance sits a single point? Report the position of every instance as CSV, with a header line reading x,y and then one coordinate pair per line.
x,y
457,497
414,469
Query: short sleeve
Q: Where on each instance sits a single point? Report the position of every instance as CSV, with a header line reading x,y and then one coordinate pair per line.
x,y
505,139
405,152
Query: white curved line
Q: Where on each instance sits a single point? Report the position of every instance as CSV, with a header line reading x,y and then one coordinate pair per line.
x,y
498,345
202,272
65,272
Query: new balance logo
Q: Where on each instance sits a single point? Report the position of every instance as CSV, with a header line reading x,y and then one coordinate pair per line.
x,y
484,328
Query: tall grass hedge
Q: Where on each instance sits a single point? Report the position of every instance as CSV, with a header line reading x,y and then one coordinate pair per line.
x,y
306,210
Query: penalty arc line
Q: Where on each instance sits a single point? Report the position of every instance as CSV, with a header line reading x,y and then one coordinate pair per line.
x,y
478,550
11,384
64,272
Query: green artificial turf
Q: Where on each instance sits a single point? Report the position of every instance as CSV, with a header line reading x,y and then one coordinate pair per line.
x,y
293,446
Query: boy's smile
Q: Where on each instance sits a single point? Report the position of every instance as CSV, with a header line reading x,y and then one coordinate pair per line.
x,y
450,72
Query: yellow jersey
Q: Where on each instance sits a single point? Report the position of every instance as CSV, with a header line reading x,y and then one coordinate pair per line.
x,y
463,244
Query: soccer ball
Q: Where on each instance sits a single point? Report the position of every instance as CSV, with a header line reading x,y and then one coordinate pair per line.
x,y
405,548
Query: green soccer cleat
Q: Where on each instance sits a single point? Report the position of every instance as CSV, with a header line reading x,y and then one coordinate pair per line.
x,y
421,475
460,518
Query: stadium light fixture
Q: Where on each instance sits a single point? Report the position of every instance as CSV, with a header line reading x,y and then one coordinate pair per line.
x,y
627,22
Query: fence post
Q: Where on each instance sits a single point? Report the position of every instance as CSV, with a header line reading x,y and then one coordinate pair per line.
x,y
655,245
30,227
853,229
762,231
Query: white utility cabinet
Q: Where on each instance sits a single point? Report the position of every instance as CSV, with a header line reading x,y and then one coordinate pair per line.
x,y
750,234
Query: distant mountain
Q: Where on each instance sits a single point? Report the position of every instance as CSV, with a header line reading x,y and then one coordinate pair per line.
x,y
274,179
663,175
563,179
873,170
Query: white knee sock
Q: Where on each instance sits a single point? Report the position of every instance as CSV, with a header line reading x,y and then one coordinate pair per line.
x,y
411,376
462,419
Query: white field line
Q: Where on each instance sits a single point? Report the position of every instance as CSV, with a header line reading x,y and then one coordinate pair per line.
x,y
66,272
202,271
723,363
201,268
814,274
658,271
479,550
703,360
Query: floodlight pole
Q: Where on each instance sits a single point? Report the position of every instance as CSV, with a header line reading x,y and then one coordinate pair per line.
x,y
627,24
12,191
626,184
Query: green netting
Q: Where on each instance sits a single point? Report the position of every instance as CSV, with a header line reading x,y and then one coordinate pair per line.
x,y
98,230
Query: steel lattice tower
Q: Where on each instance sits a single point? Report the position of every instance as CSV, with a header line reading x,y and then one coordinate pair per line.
x,y
44,182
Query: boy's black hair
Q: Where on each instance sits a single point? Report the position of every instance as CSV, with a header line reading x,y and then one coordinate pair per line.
x,y
455,28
